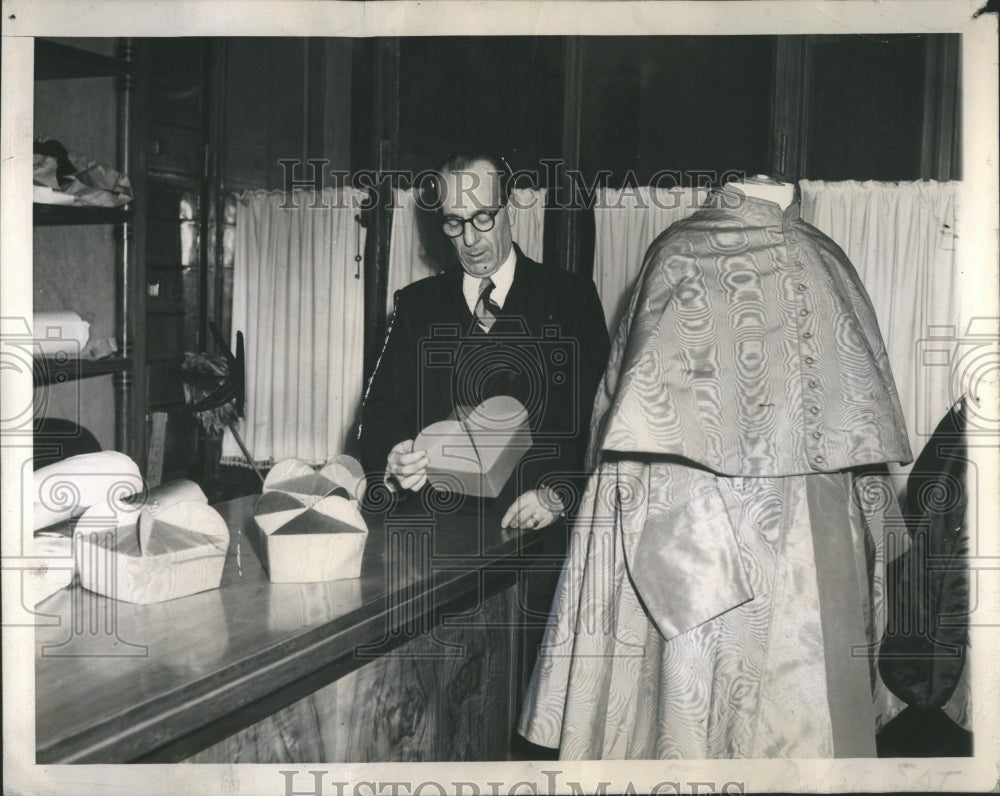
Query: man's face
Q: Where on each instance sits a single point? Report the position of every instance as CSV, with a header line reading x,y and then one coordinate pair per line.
x,y
467,192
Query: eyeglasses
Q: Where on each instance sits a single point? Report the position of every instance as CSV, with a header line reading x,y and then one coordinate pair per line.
x,y
453,226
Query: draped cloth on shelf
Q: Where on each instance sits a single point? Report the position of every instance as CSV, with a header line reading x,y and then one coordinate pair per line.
x,y
417,248
626,221
901,238
298,293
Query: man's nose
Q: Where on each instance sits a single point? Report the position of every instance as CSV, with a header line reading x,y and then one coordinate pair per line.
x,y
469,234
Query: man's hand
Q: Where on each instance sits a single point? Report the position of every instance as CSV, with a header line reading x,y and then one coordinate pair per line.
x,y
406,466
536,508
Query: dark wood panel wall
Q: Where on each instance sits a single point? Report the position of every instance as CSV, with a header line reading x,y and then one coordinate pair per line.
x,y
941,136
273,101
481,92
697,106
336,114
567,230
872,107
789,106
379,152
866,110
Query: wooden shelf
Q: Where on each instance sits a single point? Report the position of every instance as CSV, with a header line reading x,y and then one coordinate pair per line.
x,y
54,61
51,371
127,71
66,215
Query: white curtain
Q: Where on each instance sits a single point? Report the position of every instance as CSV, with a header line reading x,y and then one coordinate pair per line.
x,y
413,252
626,221
298,293
417,249
527,207
901,239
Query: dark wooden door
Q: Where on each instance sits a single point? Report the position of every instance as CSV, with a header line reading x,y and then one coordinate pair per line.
x,y
867,107
222,116
178,97
674,109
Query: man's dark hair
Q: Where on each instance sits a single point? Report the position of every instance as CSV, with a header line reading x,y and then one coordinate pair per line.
x,y
465,160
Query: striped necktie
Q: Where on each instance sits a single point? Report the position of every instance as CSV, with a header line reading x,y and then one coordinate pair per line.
x,y
486,308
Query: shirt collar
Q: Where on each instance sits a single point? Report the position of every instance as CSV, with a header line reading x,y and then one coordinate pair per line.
x,y
502,278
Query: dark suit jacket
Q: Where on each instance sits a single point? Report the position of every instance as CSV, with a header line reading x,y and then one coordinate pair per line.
x,y
924,648
548,349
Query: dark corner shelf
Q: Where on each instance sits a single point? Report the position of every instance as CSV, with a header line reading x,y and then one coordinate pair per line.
x,y
51,371
55,61
63,215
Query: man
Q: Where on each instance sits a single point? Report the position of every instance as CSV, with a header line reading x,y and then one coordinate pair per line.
x,y
495,323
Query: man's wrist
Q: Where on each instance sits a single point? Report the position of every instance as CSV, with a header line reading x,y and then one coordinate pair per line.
x,y
551,501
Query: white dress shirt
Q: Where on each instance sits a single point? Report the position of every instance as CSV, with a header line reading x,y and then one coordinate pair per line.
x,y
502,278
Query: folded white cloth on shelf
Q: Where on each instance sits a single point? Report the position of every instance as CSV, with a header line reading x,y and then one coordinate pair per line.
x,y
60,334
43,195
86,181
66,489
56,574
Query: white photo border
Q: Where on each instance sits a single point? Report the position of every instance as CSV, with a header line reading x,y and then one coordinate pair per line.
x,y
978,259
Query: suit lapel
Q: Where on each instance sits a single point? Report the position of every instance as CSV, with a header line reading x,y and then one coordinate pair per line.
x,y
454,299
519,295
517,303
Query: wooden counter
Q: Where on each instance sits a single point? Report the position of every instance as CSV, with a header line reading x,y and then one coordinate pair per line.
x,y
367,669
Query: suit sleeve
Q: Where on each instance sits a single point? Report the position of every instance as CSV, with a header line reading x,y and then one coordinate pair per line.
x,y
388,415
585,327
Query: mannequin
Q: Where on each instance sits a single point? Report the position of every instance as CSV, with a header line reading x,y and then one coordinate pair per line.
x,y
761,186
736,459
